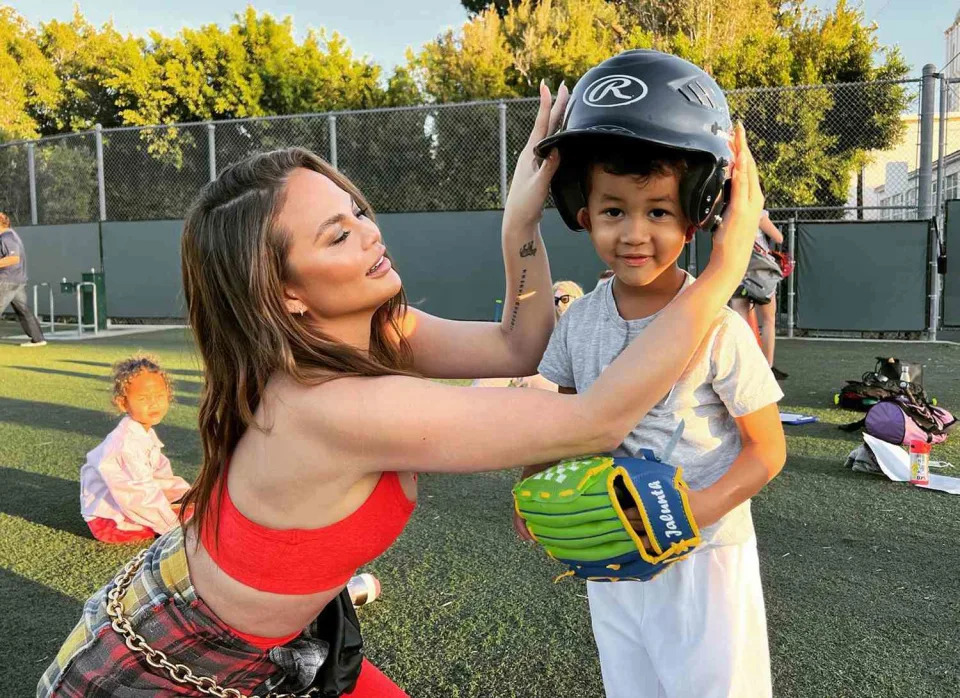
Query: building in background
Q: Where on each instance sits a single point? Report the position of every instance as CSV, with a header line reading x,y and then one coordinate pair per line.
x,y
892,176
952,60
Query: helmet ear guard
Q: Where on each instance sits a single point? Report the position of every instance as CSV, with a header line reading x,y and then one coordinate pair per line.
x,y
704,192
568,195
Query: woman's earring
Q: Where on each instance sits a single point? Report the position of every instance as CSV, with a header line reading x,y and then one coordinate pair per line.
x,y
302,311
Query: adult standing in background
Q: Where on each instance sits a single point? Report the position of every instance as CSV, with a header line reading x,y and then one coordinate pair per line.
x,y
765,318
13,282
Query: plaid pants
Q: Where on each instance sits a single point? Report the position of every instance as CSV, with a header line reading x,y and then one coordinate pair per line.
x,y
163,607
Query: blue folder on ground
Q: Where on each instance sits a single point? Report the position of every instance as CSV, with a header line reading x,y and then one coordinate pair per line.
x,y
792,418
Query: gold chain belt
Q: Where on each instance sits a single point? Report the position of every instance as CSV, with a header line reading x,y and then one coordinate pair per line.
x,y
157,659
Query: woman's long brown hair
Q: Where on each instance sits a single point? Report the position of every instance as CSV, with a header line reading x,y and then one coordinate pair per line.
x,y
234,264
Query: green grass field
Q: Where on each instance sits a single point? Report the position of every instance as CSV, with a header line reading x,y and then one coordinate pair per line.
x,y
860,573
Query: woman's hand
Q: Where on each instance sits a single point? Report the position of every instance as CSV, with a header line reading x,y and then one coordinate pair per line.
x,y
531,178
733,240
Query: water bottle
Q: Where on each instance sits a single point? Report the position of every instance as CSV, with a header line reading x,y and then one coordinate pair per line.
x,y
919,463
904,376
363,589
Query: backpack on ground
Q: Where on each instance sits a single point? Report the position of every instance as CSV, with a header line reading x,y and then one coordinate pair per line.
x,y
898,410
890,378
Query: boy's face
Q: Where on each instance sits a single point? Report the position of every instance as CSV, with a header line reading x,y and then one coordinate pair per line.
x,y
635,224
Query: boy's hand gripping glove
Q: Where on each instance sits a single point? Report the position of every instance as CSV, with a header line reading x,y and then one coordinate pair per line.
x,y
575,510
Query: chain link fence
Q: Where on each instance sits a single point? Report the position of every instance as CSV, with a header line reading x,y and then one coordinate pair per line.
x,y
830,151
824,152
946,176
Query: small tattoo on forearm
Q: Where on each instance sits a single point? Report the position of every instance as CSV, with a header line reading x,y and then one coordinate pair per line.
x,y
516,303
528,250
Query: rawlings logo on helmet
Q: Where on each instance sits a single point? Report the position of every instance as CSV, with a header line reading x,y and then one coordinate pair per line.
x,y
615,91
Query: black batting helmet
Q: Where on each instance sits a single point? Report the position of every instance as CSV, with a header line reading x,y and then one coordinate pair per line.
x,y
646,96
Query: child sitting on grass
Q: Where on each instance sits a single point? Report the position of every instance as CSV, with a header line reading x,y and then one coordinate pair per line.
x,y
128,491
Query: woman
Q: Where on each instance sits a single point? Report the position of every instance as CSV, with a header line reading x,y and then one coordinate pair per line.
x,y
314,423
565,293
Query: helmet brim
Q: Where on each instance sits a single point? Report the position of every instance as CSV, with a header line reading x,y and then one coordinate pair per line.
x,y
578,137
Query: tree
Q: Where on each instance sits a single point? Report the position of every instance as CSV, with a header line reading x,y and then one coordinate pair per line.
x,y
85,59
807,141
840,48
477,6
29,85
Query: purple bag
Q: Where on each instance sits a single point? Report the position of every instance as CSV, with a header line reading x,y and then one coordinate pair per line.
x,y
900,421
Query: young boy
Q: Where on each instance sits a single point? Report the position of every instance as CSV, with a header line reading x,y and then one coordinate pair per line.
x,y
698,628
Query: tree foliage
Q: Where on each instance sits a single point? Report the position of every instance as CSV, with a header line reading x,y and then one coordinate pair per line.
x,y
808,142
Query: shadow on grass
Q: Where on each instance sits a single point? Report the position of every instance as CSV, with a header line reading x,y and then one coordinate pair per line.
x,y
184,386
76,420
68,374
822,430
186,372
808,465
49,501
31,630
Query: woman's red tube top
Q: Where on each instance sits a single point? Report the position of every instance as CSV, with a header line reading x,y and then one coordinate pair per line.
x,y
306,561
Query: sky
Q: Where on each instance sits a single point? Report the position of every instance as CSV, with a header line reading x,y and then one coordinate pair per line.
x,y
380,29
383,29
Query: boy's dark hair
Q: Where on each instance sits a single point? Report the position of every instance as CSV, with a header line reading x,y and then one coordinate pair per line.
x,y
619,157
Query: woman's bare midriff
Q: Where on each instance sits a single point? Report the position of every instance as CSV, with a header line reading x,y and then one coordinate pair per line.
x,y
247,609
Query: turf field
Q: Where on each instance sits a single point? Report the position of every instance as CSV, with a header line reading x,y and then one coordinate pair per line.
x,y
860,574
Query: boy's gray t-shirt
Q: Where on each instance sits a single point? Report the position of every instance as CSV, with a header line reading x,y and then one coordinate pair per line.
x,y
727,377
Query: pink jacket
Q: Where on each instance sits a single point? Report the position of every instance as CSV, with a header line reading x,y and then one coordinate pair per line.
x,y
128,479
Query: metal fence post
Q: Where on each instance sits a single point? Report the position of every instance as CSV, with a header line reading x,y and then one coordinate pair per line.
x,y
927,103
792,279
941,148
925,191
332,125
933,242
502,107
32,174
98,132
212,150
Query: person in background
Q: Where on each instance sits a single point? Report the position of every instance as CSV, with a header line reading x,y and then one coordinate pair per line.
x,y
13,282
764,315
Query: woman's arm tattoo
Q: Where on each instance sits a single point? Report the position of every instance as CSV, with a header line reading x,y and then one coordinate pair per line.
x,y
516,302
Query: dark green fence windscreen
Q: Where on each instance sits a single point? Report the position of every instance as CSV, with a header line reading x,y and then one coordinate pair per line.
x,y
57,252
951,280
851,275
452,265
141,265
862,275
